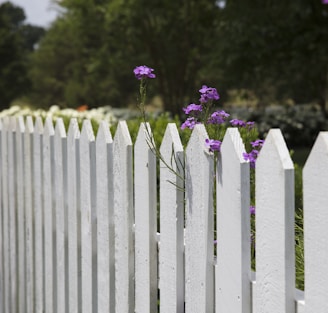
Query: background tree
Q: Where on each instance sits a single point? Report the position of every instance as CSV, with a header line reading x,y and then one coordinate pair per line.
x,y
17,41
102,41
177,36
84,57
275,50
278,49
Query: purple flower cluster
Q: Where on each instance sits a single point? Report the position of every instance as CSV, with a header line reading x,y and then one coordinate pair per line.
x,y
192,107
218,117
213,145
324,1
252,210
241,123
200,113
207,94
143,71
252,156
190,123
236,122
257,143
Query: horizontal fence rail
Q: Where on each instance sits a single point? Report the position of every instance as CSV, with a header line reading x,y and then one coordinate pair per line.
x,y
95,223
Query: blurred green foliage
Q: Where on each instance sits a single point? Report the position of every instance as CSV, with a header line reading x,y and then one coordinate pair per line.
x,y
300,124
17,42
275,50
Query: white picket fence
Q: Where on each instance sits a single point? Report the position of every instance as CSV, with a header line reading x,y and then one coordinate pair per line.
x,y
79,223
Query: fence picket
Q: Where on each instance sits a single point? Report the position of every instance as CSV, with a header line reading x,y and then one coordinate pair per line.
x,y
73,218
275,277
88,218
5,215
49,217
171,283
67,223
199,241
105,218
145,188
12,205
28,200
38,214
315,184
2,252
60,179
233,227
123,218
21,287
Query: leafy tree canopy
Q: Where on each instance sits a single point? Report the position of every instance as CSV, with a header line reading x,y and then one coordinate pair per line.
x,y
17,41
276,49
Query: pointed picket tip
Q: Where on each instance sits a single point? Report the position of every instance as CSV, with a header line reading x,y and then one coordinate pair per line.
x,y
144,135
12,123
122,133
38,125
197,139
20,126
315,199
232,139
275,146
49,127
73,129
29,125
171,139
319,152
5,122
104,134
60,128
87,131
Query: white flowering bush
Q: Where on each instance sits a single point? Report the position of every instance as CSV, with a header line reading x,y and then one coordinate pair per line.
x,y
94,115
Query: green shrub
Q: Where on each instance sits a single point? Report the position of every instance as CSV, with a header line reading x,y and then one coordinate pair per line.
x,y
300,124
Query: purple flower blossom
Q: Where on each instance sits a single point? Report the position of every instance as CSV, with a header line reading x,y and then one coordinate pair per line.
x,y
213,145
252,209
251,157
236,122
250,125
257,143
218,117
324,1
189,123
208,93
193,107
143,71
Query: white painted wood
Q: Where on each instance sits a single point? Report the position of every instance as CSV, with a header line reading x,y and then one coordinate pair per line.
x,y
73,217
12,205
49,217
275,265
233,294
60,179
33,181
123,218
88,218
38,215
171,283
315,184
28,200
1,230
105,220
199,239
145,189
5,215
300,303
21,296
